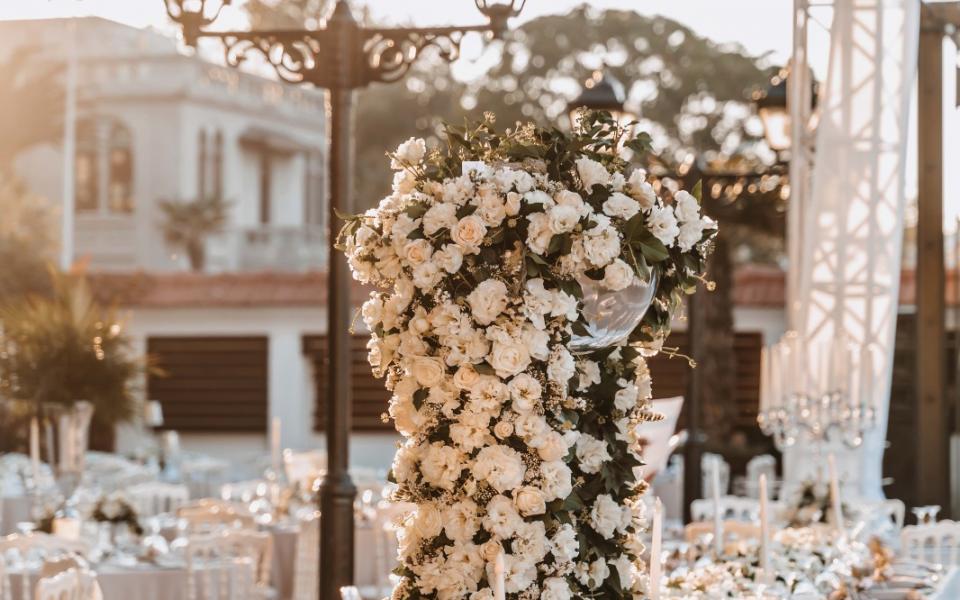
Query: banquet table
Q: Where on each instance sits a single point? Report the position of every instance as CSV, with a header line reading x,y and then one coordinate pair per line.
x,y
13,510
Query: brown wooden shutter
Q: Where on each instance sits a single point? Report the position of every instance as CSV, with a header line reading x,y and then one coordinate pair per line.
x,y
671,375
369,395
210,384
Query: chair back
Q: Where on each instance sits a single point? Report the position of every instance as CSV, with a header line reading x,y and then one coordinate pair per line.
x,y
255,545
157,497
764,464
44,542
934,542
708,463
204,557
731,530
306,565
733,508
210,513
72,584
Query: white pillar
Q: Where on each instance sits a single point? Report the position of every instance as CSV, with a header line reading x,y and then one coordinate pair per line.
x,y
69,148
285,384
853,229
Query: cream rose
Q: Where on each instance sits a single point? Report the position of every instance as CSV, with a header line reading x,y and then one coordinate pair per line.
x,y
488,300
620,205
428,370
429,521
563,219
529,501
468,233
417,252
552,446
503,429
508,358
466,377
591,173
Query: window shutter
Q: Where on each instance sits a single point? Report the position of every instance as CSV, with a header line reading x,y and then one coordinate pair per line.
x,y
369,396
210,384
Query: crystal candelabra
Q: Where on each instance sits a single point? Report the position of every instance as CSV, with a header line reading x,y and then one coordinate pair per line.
x,y
824,399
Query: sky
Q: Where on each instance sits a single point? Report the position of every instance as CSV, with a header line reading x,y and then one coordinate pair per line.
x,y
762,27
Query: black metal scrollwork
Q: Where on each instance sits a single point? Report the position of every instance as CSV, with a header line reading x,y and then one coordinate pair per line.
x,y
390,53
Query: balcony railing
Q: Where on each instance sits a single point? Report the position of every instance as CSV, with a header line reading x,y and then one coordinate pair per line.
x,y
290,248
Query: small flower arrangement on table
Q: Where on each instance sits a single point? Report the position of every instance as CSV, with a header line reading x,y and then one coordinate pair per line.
x,y
116,509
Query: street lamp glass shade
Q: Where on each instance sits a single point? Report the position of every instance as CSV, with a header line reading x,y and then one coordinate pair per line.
x,y
776,127
602,91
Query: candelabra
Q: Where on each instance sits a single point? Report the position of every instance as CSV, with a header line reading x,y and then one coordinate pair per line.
x,y
832,402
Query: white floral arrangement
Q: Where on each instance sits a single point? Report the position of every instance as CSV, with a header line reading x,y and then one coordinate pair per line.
x,y
515,446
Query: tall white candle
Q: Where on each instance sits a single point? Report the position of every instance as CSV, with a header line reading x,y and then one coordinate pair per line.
x,y
656,556
835,493
764,380
35,450
776,376
275,457
764,527
866,377
717,508
499,574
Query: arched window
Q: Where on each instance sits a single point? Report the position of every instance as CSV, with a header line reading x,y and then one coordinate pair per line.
x,y
209,164
103,167
120,189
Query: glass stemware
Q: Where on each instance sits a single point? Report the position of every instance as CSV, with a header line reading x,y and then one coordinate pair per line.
x,y
610,315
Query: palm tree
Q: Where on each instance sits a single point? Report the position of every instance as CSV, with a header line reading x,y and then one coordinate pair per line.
x,y
189,222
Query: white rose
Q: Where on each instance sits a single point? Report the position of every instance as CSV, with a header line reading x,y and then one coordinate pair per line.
x,y
450,258
488,300
410,152
573,200
372,311
502,518
428,370
428,522
406,417
538,342
591,453
626,398
599,571
620,205
405,461
640,190
501,466
525,392
592,173
520,575
618,275
490,207
439,216
690,234
417,252
468,233
503,429
539,232
508,358
461,521
564,545
663,224
624,571
426,275
466,377
556,480
529,501
441,466
686,206
606,516
563,219
530,426
552,447
617,181
556,588
404,182
561,366
601,244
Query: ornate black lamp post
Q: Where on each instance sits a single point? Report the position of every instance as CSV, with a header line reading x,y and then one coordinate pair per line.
x,y
602,91
342,57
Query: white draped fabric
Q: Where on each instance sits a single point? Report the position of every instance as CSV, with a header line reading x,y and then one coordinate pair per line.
x,y
853,228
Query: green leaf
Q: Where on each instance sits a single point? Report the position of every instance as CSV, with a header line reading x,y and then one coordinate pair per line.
x,y
654,250
697,191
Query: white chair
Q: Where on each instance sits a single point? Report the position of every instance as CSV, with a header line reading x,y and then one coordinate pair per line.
x,y
155,497
257,546
935,542
734,508
72,584
46,544
306,575
707,462
732,530
764,464
304,467
208,571
210,513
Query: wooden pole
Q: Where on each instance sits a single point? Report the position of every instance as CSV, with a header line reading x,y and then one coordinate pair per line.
x,y
932,422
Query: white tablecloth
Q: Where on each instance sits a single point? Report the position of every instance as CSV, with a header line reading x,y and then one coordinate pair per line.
x,y
13,510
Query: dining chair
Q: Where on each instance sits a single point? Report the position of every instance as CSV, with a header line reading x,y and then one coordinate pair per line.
x,y
207,567
734,508
764,464
211,513
43,542
257,546
72,584
306,565
732,530
937,543
156,497
5,592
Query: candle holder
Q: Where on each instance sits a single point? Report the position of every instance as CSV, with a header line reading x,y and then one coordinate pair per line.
x,y
822,417
67,430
